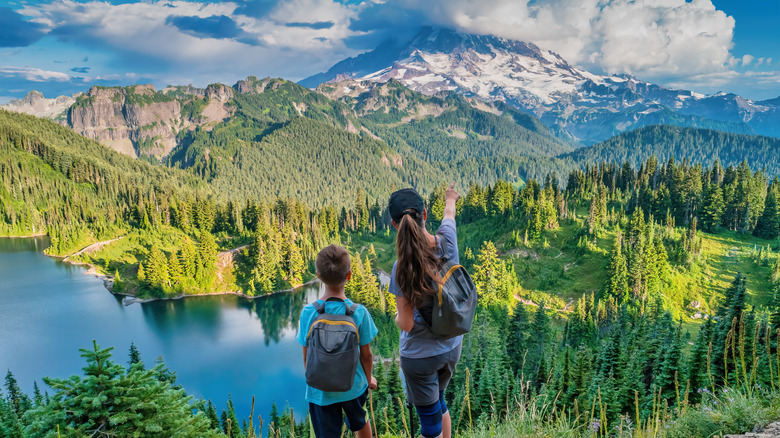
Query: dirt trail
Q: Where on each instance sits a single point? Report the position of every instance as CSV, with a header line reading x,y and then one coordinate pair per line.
x,y
232,251
771,431
92,248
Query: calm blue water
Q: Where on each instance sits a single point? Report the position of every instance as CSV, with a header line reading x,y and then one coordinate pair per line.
x,y
217,345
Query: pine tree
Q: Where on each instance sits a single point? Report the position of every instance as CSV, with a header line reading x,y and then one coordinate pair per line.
x,y
207,258
105,401
211,413
617,285
540,331
768,226
235,429
135,356
516,337
157,268
697,362
37,396
141,272
18,401
712,209
174,268
188,258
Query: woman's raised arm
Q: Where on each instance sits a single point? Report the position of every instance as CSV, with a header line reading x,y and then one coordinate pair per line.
x,y
451,197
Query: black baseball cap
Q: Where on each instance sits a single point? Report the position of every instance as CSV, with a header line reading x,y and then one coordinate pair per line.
x,y
403,200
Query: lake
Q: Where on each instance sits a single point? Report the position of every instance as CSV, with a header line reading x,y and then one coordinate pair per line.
x,y
217,345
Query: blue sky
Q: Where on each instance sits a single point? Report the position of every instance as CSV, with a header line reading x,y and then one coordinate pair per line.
x,y
65,46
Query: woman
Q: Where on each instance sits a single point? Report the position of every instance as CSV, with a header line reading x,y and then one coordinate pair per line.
x,y
427,362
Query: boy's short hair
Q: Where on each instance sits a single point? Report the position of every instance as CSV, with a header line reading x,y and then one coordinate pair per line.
x,y
333,265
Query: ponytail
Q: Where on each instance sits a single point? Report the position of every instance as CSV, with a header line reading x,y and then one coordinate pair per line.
x,y
418,267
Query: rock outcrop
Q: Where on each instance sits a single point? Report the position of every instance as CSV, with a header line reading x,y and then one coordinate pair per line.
x,y
34,103
130,120
771,431
139,120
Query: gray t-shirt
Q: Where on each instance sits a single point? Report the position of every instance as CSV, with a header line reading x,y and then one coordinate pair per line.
x,y
420,342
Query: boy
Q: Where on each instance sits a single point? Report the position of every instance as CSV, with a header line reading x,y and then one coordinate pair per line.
x,y
326,408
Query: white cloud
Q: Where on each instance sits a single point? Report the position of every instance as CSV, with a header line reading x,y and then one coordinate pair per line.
x,y
34,74
648,38
764,82
662,41
267,45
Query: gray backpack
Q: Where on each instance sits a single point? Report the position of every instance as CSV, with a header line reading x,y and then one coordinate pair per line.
x,y
455,303
332,349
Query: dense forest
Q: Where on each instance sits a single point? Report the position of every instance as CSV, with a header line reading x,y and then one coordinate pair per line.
x,y
616,298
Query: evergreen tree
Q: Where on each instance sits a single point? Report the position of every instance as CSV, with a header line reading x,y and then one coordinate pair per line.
x,y
698,378
141,274
18,401
135,356
157,268
617,285
768,225
235,428
211,413
188,257
712,209
540,331
516,337
106,401
174,268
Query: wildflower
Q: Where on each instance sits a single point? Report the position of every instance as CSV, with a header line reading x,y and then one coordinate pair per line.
x,y
595,425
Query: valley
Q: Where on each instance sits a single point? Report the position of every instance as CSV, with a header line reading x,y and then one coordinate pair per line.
x,y
623,237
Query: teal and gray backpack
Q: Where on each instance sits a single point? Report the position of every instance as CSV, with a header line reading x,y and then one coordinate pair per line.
x,y
455,303
332,349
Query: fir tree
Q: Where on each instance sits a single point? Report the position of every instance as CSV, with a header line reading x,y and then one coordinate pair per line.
x,y
768,226
211,413
516,337
135,356
235,429
105,401
617,285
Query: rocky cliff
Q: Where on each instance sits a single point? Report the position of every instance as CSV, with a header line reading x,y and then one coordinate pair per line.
x,y
140,120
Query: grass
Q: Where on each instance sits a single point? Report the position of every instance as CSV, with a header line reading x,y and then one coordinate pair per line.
x,y
729,412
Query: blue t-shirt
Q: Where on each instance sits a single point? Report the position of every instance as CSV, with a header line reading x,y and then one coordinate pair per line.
x,y
366,330
421,342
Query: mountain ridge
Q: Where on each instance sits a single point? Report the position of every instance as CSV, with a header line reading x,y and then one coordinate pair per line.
x,y
568,99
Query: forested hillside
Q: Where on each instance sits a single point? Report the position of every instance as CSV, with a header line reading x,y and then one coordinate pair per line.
x,y
627,298
58,183
699,146
273,138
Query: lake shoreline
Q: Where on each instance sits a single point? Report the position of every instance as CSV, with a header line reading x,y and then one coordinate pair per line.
x,y
133,299
108,280
25,236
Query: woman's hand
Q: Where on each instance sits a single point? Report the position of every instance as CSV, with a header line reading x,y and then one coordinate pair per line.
x,y
451,193
451,197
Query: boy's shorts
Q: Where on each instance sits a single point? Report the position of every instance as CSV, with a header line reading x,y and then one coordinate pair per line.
x,y
327,420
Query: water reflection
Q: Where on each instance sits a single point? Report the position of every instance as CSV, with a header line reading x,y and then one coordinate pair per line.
x,y
217,345
280,312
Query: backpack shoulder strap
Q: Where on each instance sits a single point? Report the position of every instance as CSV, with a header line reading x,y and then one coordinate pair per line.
x,y
351,309
445,247
320,308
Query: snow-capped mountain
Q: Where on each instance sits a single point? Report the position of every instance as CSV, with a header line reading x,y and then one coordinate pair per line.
x,y
572,101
